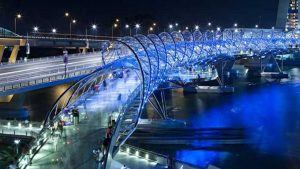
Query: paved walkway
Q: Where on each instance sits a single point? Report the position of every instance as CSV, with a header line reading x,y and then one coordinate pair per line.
x,y
74,149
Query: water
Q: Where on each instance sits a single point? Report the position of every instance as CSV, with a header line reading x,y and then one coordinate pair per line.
x,y
267,110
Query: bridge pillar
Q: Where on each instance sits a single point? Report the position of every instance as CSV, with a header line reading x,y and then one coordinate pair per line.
x,y
14,54
2,47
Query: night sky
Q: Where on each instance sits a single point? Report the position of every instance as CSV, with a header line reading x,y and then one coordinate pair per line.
x,y
50,13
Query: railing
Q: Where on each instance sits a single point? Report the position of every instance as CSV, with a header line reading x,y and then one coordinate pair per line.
x,y
51,77
20,128
59,36
151,156
49,58
115,136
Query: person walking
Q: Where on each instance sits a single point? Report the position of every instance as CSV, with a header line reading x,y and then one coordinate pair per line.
x,y
108,132
61,127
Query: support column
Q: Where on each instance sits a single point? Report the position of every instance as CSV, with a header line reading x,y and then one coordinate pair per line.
x,y
14,54
2,47
84,50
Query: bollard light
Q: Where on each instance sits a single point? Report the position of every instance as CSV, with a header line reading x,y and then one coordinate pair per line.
x,y
137,153
147,156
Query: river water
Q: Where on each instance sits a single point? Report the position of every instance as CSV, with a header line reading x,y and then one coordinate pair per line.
x,y
267,110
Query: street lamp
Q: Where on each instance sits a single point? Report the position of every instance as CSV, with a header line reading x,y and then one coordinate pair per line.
x,y
17,142
94,27
209,24
67,14
186,28
150,30
235,25
137,26
256,26
128,27
54,30
154,24
35,29
112,30
18,16
197,27
73,21
218,29
170,26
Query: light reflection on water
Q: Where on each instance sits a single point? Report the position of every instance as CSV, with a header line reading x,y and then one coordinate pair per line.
x,y
268,115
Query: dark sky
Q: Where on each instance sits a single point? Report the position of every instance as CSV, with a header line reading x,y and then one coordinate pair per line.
x,y
50,13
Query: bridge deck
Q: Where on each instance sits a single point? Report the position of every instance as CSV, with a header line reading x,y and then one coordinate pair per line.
x,y
74,148
43,71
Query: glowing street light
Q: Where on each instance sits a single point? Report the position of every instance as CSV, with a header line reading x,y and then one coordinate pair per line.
x,y
170,26
54,30
235,25
35,29
209,24
137,26
73,21
218,29
154,24
256,26
128,27
197,27
115,25
150,30
18,16
17,142
176,24
67,14
94,27
186,28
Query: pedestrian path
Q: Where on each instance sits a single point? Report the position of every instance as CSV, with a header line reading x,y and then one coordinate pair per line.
x,y
73,150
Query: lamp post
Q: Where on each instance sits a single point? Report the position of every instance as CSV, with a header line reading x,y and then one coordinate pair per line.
x,y
171,27
73,21
95,28
150,30
128,27
17,142
112,30
18,16
35,30
137,26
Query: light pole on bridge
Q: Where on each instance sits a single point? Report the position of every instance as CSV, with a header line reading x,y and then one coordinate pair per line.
x,y
18,16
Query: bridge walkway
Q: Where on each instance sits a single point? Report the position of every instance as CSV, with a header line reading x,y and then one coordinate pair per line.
x,y
74,148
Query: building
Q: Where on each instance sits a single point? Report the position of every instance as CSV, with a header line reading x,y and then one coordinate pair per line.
x,y
288,14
